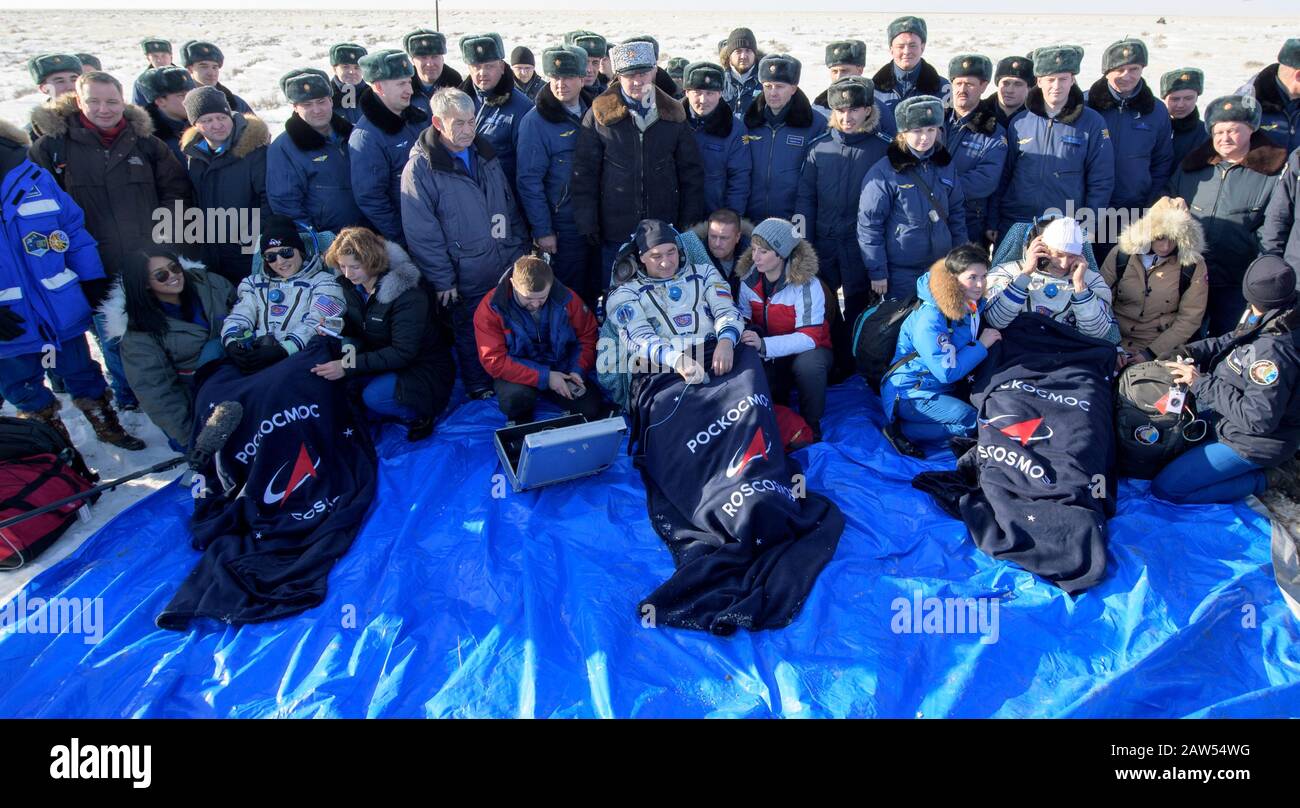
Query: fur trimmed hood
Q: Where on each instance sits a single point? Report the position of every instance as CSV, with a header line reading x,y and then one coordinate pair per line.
x,y
552,111
500,93
10,132
1165,220
946,293
901,158
254,135
114,306
701,230
402,275
928,80
1073,109
1264,157
307,139
609,107
57,118
800,267
1101,99
800,115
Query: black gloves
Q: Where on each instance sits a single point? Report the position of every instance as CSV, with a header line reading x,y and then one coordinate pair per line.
x,y
593,239
257,355
11,324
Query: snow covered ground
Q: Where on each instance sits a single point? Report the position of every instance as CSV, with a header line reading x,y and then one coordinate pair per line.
x,y
262,45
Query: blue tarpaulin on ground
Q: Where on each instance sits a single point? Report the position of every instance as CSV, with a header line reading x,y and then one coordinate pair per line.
x,y
462,598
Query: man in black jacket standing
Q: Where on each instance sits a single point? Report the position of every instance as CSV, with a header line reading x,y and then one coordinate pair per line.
x,y
636,157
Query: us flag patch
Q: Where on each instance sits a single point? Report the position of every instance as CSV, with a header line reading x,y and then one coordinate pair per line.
x,y
327,306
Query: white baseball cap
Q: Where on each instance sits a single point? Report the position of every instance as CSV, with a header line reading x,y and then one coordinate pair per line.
x,y
1065,235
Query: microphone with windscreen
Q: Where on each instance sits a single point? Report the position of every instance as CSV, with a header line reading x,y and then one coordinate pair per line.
x,y
221,424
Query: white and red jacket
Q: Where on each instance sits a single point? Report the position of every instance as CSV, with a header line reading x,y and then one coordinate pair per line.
x,y
791,313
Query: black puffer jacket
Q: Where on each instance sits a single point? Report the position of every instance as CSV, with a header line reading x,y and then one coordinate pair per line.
x,y
395,332
236,178
622,175
1229,202
1251,378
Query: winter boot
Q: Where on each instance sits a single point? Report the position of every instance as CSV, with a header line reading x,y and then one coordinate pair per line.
x,y
99,412
49,416
419,429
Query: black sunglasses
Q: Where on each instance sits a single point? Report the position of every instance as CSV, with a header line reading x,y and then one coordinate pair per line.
x,y
283,252
163,273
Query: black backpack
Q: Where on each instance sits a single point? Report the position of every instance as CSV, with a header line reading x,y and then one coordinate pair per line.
x,y
875,338
1147,437
25,437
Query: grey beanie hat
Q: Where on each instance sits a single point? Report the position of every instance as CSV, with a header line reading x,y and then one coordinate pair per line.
x,y
205,100
778,234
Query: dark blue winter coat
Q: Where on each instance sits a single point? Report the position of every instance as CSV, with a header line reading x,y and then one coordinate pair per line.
x,y
548,136
1280,233
235,178
830,188
1188,133
727,168
499,113
978,145
1054,161
168,130
45,252
888,93
777,149
1279,115
1141,138
379,147
309,176
421,93
347,99
895,229
464,232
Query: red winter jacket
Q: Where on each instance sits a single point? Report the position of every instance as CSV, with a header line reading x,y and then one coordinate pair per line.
x,y
791,313
514,347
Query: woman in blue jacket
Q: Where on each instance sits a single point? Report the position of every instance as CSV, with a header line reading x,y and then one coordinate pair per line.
x,y
938,346
912,210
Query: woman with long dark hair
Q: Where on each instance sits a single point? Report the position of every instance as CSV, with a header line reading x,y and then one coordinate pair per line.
x,y
168,312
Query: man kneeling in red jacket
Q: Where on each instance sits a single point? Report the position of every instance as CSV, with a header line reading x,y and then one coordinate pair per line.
x,y
536,336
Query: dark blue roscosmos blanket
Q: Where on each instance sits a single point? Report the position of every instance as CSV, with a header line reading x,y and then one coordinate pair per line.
x,y
746,535
282,500
1039,484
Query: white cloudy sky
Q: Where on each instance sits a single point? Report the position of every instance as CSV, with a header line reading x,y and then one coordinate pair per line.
x,y
1188,7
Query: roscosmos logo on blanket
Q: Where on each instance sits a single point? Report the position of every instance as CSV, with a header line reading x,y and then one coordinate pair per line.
x,y
729,418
